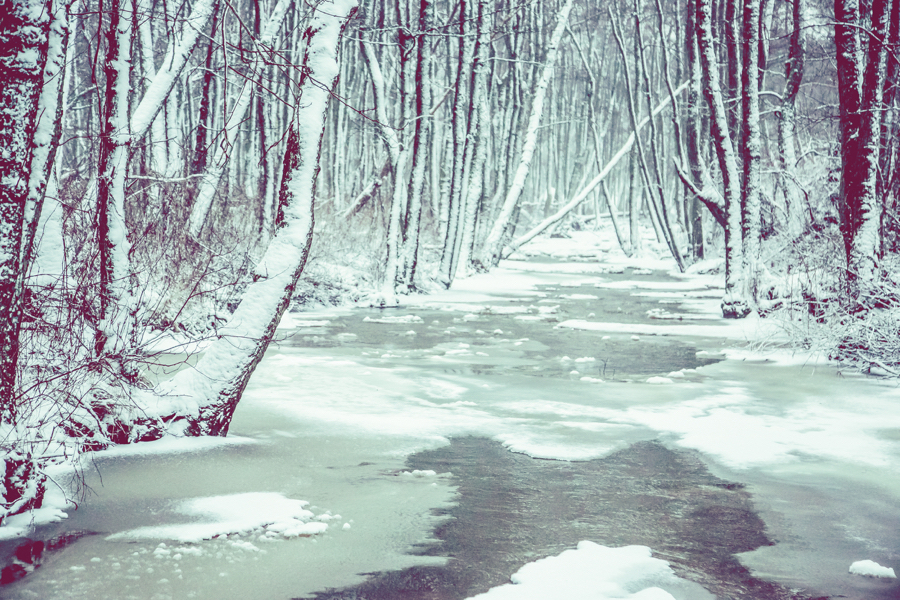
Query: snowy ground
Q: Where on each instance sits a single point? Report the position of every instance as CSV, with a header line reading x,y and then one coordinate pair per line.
x,y
571,353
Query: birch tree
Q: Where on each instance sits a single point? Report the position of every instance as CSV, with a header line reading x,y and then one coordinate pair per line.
x,y
490,255
751,144
734,304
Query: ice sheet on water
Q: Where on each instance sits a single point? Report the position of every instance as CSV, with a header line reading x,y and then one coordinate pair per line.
x,y
235,513
749,329
591,572
652,285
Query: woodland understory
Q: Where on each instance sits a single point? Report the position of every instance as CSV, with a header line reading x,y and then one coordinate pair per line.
x,y
172,173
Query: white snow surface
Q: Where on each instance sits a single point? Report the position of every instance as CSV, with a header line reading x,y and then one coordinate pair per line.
x,y
235,513
870,568
590,572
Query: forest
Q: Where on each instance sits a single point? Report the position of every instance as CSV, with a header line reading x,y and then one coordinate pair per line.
x,y
174,176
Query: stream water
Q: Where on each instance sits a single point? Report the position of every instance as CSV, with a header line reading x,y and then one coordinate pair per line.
x,y
420,436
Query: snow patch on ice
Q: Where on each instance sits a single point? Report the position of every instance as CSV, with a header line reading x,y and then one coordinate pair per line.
x,y
870,568
236,513
590,572
394,320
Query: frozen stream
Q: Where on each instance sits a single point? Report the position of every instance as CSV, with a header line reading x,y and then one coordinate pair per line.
x,y
413,433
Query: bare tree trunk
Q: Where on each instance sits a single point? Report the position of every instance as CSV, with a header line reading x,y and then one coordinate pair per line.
x,y
751,145
479,127
412,221
861,92
398,158
110,227
216,168
692,133
25,29
734,304
787,124
201,145
454,196
46,137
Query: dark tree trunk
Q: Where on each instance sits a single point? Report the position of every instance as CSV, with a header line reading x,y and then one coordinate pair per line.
x,y
24,29
201,145
861,90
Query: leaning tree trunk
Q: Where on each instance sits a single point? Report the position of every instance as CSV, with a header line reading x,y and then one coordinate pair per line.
x,y
210,392
215,168
493,245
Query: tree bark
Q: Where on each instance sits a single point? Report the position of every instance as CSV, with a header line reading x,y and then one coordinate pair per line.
x,y
24,28
751,144
861,90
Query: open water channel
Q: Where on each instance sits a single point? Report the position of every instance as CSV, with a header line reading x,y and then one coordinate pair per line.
x,y
447,443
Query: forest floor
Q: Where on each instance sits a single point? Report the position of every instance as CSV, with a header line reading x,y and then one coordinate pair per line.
x,y
569,399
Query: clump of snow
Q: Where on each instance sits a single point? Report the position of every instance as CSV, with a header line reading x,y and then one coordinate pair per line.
x,y
659,380
870,568
592,379
585,359
590,572
419,473
289,321
268,512
394,320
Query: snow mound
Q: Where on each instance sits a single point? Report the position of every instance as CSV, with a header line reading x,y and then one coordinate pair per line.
x,y
590,572
870,568
659,380
272,513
